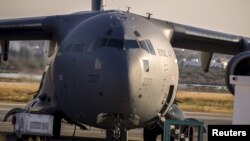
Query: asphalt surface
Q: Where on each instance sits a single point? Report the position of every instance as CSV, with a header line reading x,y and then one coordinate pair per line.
x,y
94,134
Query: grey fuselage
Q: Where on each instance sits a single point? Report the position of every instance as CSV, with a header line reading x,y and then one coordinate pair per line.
x,y
111,65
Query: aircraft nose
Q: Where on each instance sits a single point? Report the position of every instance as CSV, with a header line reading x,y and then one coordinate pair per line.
x,y
115,82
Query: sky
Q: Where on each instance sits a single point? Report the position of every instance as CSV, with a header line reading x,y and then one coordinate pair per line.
x,y
229,16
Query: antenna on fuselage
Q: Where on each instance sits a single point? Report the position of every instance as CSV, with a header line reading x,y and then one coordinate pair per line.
x,y
97,5
149,15
128,9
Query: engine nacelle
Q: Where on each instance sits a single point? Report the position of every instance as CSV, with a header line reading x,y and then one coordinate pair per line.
x,y
238,65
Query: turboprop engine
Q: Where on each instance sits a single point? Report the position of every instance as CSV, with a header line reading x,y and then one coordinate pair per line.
x,y
238,65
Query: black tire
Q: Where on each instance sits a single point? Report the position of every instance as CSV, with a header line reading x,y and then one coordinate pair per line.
x,y
23,138
46,139
124,135
19,139
110,137
57,127
151,135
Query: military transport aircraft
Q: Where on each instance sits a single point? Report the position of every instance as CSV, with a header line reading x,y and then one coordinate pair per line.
x,y
114,69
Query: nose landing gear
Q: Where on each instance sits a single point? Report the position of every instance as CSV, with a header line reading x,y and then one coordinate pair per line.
x,y
117,134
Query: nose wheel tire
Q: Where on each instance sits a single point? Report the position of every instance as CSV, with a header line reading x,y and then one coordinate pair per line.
x,y
116,135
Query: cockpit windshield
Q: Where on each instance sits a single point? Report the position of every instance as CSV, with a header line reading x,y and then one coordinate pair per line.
x,y
122,44
117,43
131,44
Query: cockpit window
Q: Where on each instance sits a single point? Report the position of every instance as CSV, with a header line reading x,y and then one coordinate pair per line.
x,y
120,44
97,43
117,43
131,44
144,46
147,45
150,47
102,42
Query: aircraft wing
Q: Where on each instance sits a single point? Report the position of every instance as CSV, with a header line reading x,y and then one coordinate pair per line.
x,y
53,28
193,38
206,41
24,29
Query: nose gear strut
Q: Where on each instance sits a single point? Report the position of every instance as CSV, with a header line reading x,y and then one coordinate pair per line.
x,y
117,134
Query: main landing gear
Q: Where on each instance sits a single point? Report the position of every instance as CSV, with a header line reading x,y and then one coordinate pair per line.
x,y
152,134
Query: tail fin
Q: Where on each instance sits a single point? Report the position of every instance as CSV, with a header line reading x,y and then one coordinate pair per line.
x,y
97,5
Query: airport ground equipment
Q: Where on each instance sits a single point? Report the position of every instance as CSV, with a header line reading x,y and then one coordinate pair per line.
x,y
183,130
241,113
26,124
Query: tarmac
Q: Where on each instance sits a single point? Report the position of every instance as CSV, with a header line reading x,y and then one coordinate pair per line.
x,y
95,134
